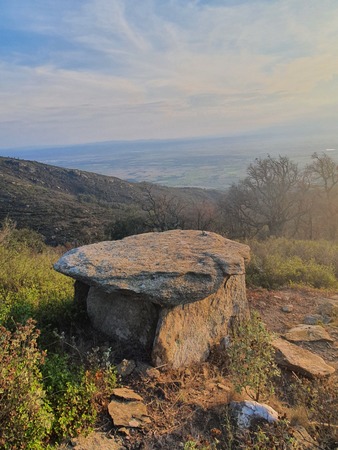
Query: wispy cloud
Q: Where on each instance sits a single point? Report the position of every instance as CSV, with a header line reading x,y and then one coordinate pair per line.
x,y
92,70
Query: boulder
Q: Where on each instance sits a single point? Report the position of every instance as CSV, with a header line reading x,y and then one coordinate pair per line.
x,y
247,413
300,360
170,295
307,333
171,268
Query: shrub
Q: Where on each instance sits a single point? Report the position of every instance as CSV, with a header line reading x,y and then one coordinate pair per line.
x,y
69,391
75,394
281,262
251,358
21,238
25,416
30,287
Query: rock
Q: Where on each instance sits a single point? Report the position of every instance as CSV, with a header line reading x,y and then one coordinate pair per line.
x,y
80,294
300,360
131,414
186,333
313,319
171,295
170,268
247,413
96,441
287,308
127,394
329,308
223,387
126,367
146,370
308,333
121,317
127,409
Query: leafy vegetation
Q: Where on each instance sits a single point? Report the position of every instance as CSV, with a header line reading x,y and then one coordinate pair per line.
x,y
25,414
44,396
278,262
251,358
29,287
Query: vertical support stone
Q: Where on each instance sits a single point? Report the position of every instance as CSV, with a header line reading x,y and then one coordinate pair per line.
x,y
186,333
128,320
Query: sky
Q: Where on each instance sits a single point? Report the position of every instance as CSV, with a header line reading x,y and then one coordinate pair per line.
x,y
76,71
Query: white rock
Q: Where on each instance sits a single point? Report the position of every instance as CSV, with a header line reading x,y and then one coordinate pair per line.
x,y
247,412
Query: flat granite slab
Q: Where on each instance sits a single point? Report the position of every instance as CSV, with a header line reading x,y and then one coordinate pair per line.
x,y
169,268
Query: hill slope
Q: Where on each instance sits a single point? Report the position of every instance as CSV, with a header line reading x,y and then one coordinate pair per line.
x,y
68,205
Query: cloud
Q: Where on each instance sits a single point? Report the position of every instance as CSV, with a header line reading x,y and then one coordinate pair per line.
x,y
120,69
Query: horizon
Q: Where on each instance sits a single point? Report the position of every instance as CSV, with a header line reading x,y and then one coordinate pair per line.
x,y
109,70
206,163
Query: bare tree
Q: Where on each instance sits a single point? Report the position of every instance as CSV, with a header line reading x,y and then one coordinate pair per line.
x,y
267,199
164,211
323,178
201,215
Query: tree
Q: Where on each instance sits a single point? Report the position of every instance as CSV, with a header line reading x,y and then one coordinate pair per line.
x,y
164,211
323,179
268,198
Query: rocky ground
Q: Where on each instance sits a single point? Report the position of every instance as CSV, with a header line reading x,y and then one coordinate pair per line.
x,y
284,309
190,404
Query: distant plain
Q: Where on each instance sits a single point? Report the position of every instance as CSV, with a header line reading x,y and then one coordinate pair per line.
x,y
205,162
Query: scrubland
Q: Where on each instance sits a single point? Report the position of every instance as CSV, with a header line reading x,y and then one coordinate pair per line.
x,y
56,376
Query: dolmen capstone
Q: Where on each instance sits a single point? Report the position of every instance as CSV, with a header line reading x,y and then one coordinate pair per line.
x,y
171,295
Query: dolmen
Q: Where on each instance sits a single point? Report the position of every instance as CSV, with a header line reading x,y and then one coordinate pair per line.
x,y
170,296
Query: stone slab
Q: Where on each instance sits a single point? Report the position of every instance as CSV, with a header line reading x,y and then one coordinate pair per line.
x,y
170,268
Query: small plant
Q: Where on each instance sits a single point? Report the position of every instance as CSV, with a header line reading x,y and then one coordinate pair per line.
x,y
25,415
274,436
251,358
193,445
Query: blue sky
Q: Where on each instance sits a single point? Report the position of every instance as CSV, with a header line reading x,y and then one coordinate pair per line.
x,y
74,71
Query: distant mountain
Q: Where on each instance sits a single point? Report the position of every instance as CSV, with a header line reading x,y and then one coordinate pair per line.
x,y
70,205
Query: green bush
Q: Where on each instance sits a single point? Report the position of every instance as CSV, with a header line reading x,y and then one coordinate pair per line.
x,y
251,358
30,287
69,391
75,393
25,415
281,262
21,238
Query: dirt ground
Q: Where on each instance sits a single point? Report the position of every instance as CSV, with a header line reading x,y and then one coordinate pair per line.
x,y
304,303
190,404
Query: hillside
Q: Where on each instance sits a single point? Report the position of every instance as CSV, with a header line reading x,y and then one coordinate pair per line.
x,y
69,205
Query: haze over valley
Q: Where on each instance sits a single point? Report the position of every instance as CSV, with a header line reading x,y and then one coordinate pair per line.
x,y
208,163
